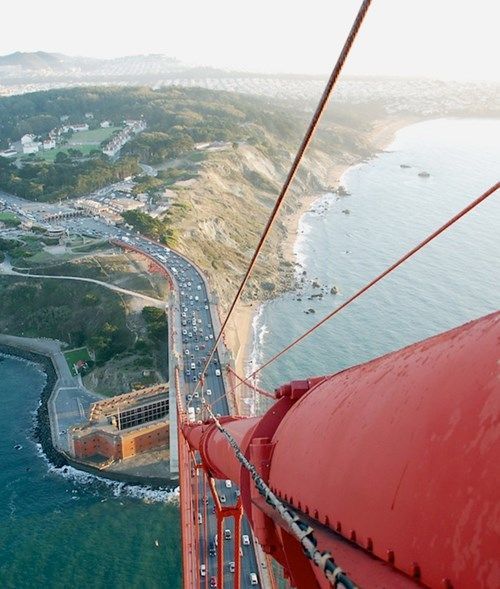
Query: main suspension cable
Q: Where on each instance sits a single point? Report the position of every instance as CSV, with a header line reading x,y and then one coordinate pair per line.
x,y
302,531
323,102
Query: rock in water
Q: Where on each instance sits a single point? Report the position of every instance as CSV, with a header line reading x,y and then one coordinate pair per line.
x,y
341,191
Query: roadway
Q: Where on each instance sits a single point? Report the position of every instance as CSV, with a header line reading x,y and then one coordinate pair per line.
x,y
196,340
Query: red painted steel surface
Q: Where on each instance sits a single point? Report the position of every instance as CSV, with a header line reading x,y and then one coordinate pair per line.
x,y
190,560
399,456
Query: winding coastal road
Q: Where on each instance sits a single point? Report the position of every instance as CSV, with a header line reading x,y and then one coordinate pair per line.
x,y
193,333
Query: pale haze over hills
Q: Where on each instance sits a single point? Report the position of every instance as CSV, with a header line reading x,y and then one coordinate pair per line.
x,y
445,40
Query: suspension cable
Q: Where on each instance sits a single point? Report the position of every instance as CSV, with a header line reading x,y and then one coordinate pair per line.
x,y
323,102
255,388
369,285
303,532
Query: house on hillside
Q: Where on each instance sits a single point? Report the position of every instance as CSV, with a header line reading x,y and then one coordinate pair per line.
x,y
79,127
106,124
49,144
28,138
31,147
8,152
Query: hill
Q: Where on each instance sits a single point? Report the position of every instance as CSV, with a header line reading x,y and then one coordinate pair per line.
x,y
36,60
31,62
221,197
177,119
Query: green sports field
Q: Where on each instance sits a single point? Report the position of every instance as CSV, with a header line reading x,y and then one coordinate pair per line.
x,y
93,137
73,356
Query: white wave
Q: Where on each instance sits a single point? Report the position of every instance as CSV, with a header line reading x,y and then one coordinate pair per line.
x,y
344,179
299,246
259,331
117,488
305,226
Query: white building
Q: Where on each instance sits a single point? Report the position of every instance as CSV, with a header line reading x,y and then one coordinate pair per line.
x,y
79,127
8,153
49,144
106,124
30,147
28,138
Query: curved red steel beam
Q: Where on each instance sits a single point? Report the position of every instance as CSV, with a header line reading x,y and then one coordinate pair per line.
x,y
394,463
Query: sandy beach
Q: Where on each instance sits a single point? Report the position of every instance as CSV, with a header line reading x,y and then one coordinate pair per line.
x,y
239,336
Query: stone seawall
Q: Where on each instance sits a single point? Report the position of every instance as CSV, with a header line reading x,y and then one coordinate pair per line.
x,y
42,431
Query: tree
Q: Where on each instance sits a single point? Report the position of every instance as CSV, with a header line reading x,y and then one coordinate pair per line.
x,y
62,158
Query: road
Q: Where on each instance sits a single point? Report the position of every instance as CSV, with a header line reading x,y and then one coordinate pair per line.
x,y
195,340
107,285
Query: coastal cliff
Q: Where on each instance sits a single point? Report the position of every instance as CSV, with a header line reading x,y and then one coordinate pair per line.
x,y
229,202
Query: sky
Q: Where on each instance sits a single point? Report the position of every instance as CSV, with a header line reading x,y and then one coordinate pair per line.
x,y
447,39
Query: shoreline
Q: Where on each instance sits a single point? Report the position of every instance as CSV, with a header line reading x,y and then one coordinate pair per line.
x,y
241,339
42,433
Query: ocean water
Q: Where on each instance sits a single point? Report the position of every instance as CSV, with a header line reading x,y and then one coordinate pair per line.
x,y
348,241
61,528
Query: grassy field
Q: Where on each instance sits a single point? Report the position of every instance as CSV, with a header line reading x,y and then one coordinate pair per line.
x,y
73,356
50,156
84,141
9,218
94,137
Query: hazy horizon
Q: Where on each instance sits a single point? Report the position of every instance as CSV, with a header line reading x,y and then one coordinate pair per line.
x,y
431,40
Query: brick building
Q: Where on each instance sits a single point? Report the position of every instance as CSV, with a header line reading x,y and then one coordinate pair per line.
x,y
123,426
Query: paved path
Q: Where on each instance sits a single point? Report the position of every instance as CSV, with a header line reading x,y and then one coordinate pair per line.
x,y
69,398
4,270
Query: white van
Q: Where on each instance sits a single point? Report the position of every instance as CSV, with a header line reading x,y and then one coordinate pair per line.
x,y
253,579
217,372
